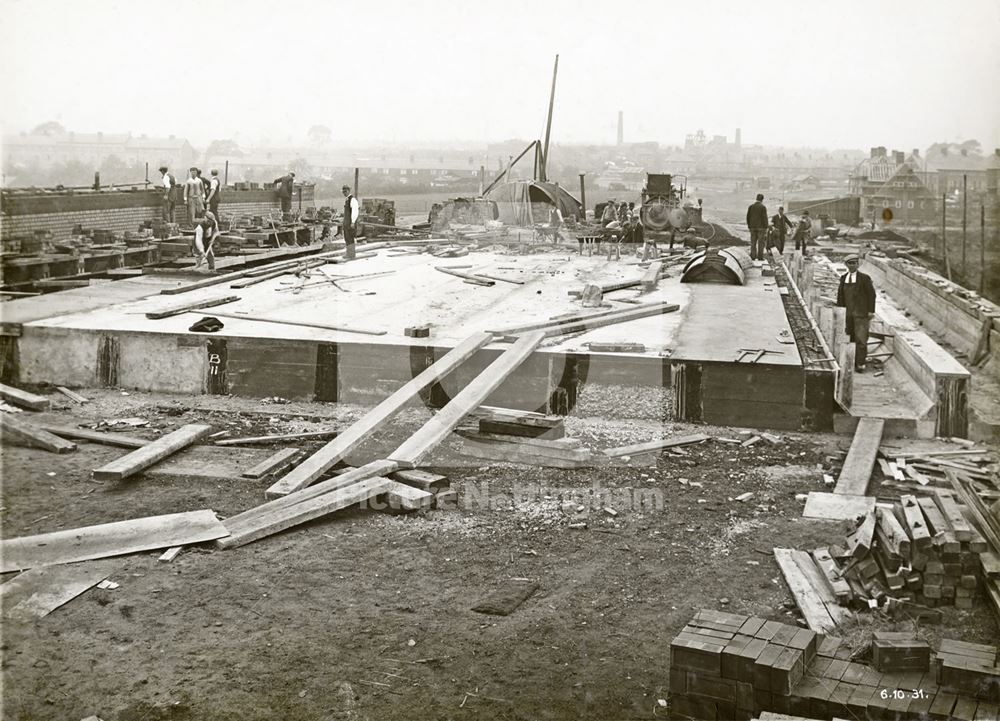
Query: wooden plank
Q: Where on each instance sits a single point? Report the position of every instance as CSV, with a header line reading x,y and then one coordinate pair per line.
x,y
85,434
412,451
916,524
146,456
402,497
859,541
812,607
39,591
860,461
836,506
109,539
350,438
308,510
421,479
553,322
278,438
194,305
24,399
20,432
170,554
474,279
889,531
530,455
610,319
953,513
303,324
655,445
554,444
278,463
651,276
75,397
840,588
524,430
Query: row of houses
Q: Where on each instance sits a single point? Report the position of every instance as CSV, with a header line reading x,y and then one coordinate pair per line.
x,y
911,188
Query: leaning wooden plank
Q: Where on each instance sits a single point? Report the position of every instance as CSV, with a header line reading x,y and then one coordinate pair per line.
x,y
278,463
651,276
657,445
860,461
194,305
891,534
859,541
279,438
413,450
251,517
552,322
75,397
292,515
950,510
811,605
350,438
84,434
39,591
985,517
555,444
916,524
23,398
109,539
610,319
303,324
23,433
142,458
836,506
832,575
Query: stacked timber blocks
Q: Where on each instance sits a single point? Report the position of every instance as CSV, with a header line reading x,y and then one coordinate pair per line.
x,y
525,437
918,549
727,666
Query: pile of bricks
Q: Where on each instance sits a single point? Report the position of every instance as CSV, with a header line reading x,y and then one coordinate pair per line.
x,y
917,549
730,666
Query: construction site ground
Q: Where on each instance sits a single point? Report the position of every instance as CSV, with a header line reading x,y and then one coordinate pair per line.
x,y
366,615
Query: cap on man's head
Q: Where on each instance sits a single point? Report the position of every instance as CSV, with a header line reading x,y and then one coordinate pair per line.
x,y
760,196
163,168
852,258
215,172
345,187
781,207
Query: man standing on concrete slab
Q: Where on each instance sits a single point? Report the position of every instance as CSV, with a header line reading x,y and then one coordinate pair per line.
x,y
803,231
857,294
284,186
757,223
214,194
194,196
169,183
351,214
782,225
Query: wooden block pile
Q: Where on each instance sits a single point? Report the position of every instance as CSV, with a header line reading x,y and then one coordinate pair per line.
x,y
918,549
730,666
525,437
971,669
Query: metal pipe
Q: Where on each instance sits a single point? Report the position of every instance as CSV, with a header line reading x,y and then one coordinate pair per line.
x,y
944,234
583,197
357,173
548,124
965,202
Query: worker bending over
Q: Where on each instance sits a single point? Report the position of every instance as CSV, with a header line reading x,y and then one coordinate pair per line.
x,y
205,233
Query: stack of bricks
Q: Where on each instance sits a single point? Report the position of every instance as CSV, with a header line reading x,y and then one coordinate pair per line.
x,y
730,666
970,670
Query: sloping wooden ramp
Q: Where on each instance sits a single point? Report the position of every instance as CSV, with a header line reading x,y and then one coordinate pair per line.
x,y
860,461
329,455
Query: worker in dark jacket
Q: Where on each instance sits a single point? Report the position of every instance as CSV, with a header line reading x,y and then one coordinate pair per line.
x,y
284,185
857,294
757,223
781,225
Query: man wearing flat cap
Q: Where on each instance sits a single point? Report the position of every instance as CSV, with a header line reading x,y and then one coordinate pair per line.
x,y
351,214
857,294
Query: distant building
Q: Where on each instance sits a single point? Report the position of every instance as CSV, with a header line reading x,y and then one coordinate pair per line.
x,y
44,151
944,171
886,181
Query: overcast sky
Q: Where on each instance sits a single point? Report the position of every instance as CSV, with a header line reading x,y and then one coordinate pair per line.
x,y
848,73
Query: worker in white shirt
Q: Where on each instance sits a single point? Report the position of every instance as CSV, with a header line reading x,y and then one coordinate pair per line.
x,y
194,196
205,233
351,214
214,194
169,194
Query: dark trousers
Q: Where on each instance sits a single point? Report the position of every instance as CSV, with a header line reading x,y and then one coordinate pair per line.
x,y
213,205
857,331
779,242
800,240
286,205
758,241
168,209
349,241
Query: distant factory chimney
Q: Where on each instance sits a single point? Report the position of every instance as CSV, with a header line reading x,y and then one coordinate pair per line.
x,y
738,139
621,127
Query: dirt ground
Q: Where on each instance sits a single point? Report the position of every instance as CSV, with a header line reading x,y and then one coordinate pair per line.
x,y
367,616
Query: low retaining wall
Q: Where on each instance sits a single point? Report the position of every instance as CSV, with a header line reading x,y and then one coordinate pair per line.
x,y
118,211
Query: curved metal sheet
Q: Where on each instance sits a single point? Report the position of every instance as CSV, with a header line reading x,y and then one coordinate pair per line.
x,y
714,267
740,255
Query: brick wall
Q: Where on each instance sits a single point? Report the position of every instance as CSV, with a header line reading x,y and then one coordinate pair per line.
x,y
118,211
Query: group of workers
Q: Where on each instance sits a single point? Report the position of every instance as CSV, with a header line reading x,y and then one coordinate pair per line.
x,y
770,233
201,199
622,224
